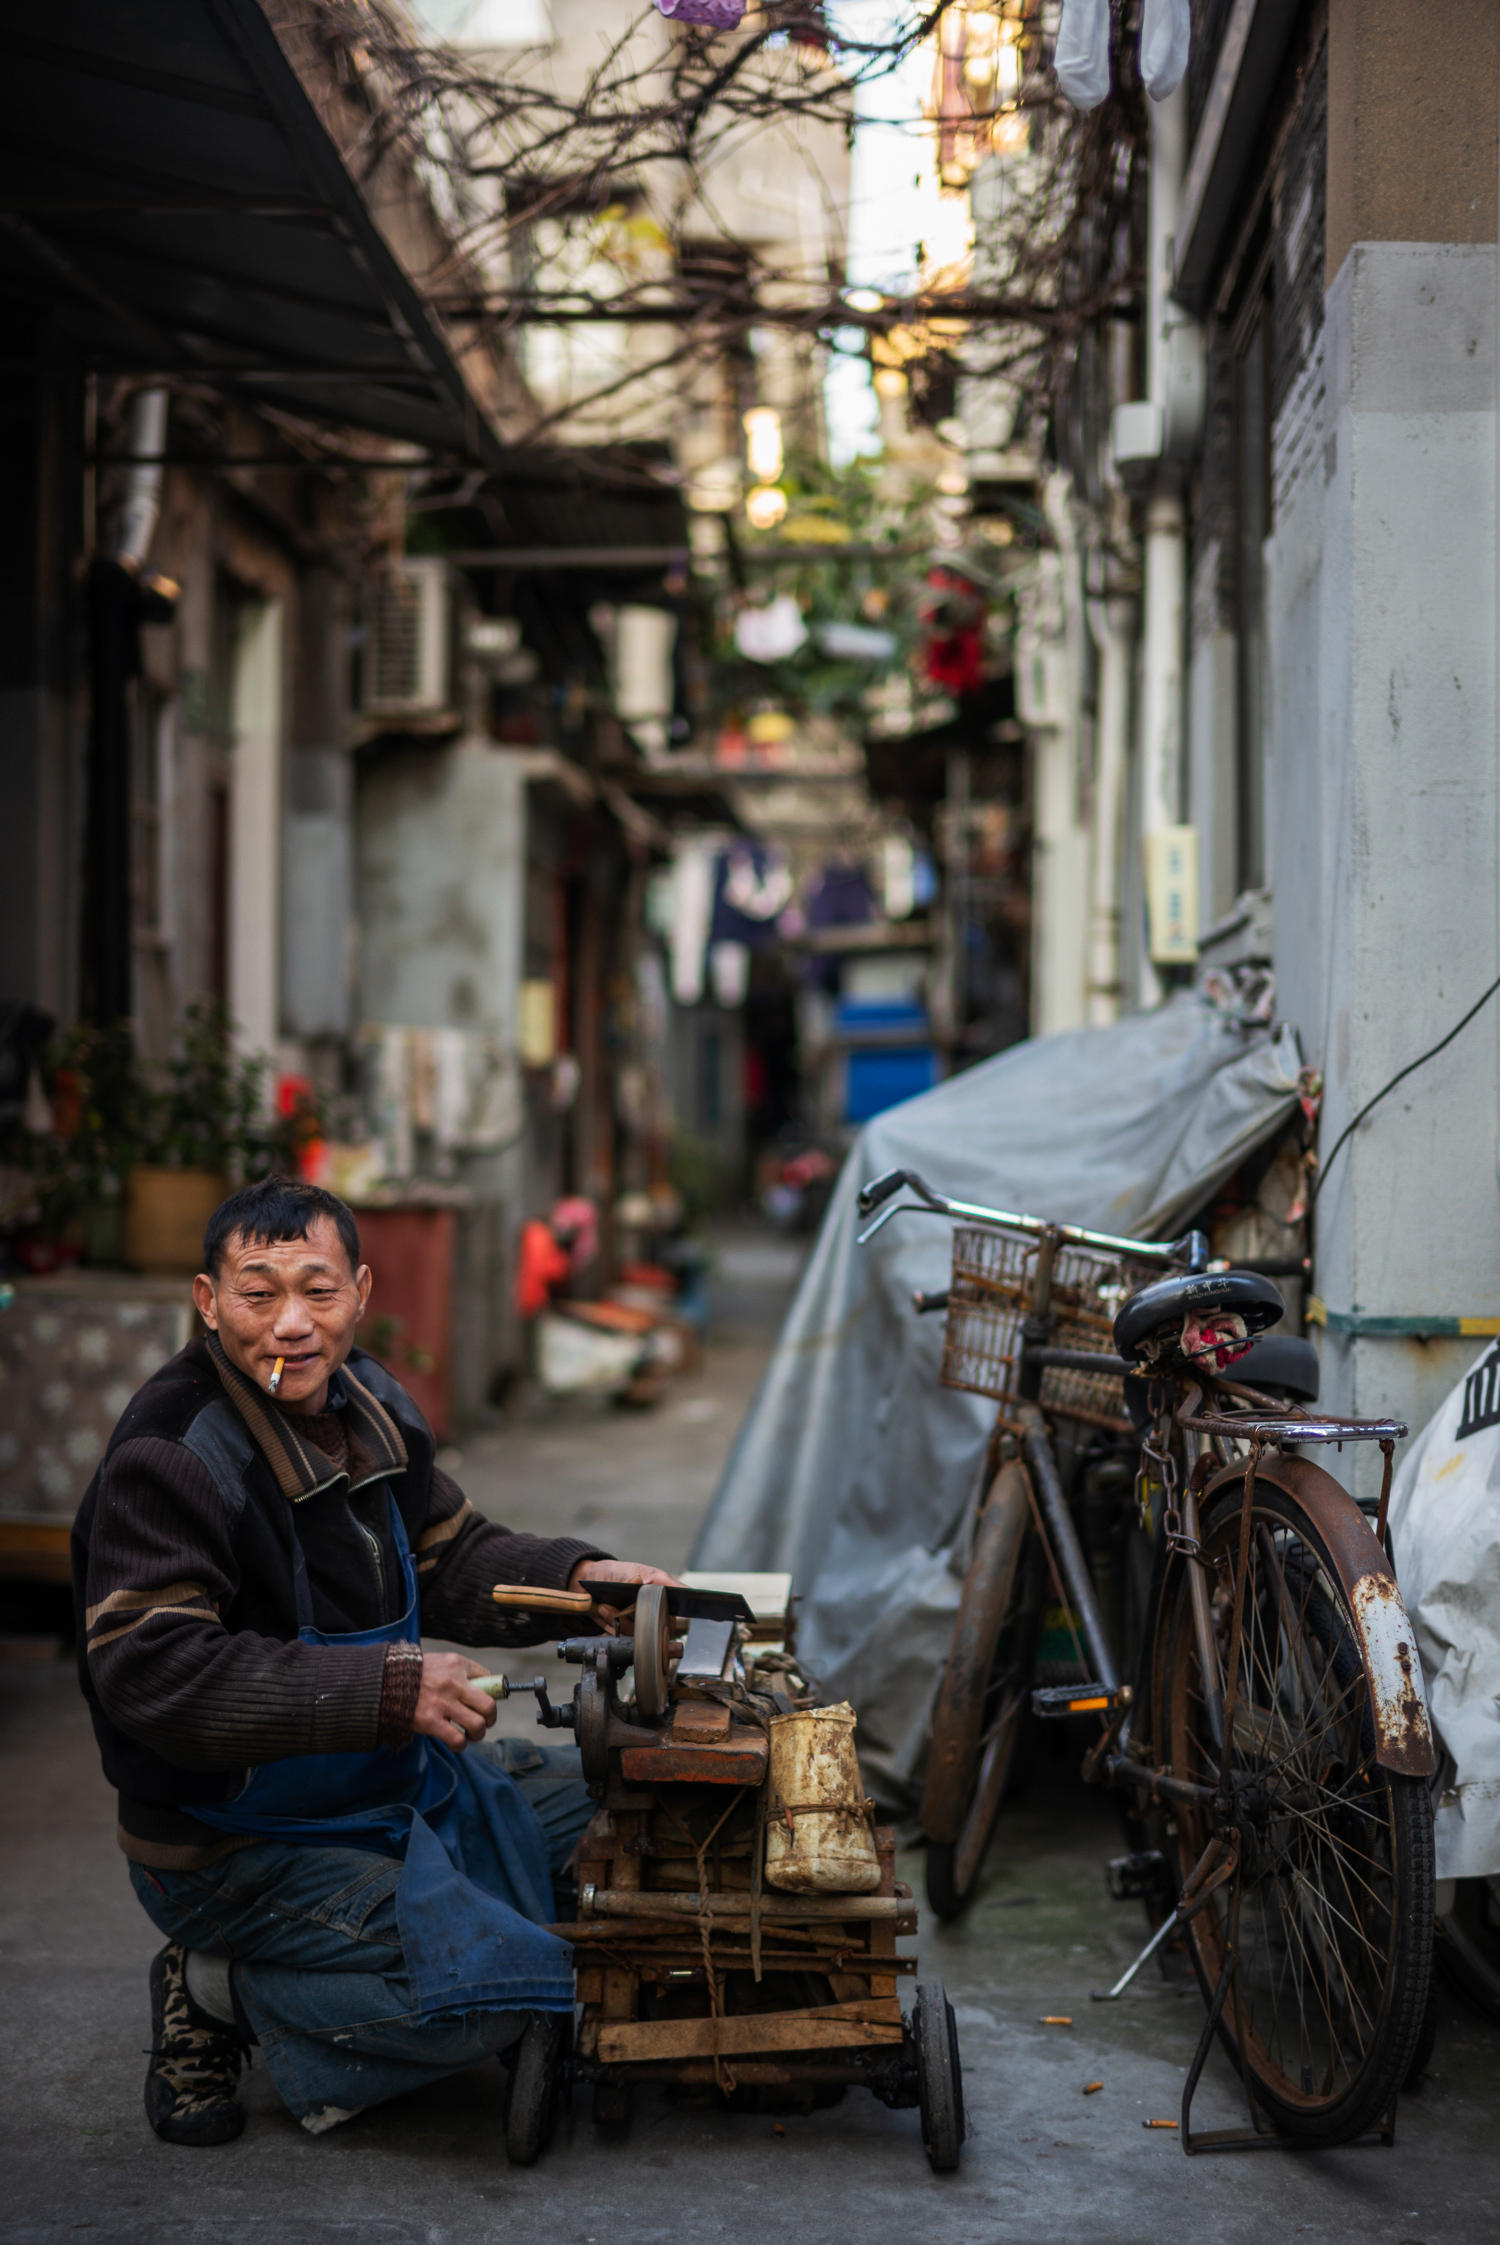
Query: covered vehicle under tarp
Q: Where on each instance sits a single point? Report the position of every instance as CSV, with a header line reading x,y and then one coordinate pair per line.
x,y
854,1469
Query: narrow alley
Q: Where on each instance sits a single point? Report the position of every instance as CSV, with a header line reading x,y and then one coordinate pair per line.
x,y
1044,2159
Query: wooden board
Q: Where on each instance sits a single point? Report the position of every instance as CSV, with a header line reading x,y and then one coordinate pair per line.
x,y
832,2026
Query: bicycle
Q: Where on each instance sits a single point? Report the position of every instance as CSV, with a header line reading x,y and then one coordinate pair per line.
x,y
1271,1731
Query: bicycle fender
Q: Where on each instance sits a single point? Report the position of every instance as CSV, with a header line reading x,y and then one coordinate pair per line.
x,y
1387,1642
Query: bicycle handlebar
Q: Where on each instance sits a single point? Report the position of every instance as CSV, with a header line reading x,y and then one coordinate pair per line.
x,y
880,1189
1191,1250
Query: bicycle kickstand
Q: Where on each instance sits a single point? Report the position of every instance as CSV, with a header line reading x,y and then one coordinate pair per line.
x,y
1217,1863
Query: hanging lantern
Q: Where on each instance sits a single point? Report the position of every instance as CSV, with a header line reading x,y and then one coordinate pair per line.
x,y
765,506
763,442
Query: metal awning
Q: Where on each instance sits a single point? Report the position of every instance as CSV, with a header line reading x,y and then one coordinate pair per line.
x,y
169,192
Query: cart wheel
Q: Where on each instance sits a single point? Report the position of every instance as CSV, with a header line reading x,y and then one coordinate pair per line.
x,y
940,2080
612,2102
653,1625
535,2083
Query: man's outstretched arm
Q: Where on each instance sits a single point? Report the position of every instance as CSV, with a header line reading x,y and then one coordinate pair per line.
x,y
461,1556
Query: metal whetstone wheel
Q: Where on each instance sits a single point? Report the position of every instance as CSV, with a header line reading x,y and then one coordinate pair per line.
x,y
940,2081
653,1625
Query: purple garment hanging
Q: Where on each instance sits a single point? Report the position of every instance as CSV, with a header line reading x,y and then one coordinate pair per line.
x,y
722,14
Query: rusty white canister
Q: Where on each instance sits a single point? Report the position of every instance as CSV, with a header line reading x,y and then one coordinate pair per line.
x,y
818,1835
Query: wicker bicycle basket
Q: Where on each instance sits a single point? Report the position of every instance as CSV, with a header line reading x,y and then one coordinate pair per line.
x,y
988,1297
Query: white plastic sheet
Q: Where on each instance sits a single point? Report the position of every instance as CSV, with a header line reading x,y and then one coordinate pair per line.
x,y
1081,58
1166,26
1445,1534
854,1470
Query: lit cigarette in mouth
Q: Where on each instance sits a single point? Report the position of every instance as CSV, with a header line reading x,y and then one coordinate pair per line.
x,y
275,1380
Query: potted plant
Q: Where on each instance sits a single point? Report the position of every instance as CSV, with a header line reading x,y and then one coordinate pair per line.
x,y
208,1129
100,1118
136,1160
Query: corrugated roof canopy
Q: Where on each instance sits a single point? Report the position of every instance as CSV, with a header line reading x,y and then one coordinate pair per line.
x,y
165,179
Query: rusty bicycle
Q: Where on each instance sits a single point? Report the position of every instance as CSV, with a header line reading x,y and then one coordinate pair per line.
x,y
1153,1551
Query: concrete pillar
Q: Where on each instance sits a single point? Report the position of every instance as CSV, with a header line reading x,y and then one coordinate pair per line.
x,y
1381,623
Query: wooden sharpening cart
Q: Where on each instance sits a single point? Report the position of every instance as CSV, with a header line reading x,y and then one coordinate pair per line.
x,y
691,1967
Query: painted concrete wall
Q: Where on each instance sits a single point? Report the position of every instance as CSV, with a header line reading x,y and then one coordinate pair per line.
x,y
1382,795
441,886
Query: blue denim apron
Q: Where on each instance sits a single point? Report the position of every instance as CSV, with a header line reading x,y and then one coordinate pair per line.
x,y
475,1891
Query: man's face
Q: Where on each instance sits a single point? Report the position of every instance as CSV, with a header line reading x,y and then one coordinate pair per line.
x,y
300,1299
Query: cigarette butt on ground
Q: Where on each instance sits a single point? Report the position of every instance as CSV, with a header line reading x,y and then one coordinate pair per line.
x,y
1056,2019
1090,2086
1158,2124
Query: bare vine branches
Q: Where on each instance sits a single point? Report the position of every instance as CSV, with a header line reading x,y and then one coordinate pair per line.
x,y
596,189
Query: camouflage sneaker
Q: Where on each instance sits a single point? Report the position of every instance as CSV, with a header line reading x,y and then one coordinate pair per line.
x,y
195,2061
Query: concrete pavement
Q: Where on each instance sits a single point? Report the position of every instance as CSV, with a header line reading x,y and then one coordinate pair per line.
x,y
1044,2162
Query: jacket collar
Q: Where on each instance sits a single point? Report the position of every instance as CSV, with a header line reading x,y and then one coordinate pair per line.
x,y
299,1466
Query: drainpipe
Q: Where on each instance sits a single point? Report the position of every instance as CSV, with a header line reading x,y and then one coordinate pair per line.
x,y
148,440
1165,554
1112,622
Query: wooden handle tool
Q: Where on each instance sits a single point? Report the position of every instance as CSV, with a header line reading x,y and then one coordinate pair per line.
x,y
542,1601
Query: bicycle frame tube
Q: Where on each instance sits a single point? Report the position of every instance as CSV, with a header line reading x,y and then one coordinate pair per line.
x,y
1077,1583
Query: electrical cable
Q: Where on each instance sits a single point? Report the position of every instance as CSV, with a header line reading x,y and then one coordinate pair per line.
x,y
1410,1069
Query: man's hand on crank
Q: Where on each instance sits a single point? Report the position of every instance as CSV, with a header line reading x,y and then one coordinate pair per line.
x,y
616,1570
448,1707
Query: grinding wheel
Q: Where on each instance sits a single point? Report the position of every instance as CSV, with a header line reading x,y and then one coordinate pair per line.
x,y
653,1628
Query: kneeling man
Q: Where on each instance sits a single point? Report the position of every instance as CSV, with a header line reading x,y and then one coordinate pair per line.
x,y
342,1872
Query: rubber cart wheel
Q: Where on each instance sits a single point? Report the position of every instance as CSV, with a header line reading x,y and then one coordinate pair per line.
x,y
653,1624
535,2086
612,2102
940,2079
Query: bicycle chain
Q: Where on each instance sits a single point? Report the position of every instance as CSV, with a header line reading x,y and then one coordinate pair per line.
x,y
1156,1448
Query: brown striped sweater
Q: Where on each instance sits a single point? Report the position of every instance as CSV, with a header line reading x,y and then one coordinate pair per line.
x,y
188,1645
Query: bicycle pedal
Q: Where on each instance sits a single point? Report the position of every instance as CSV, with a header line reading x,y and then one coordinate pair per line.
x,y
1132,1876
1051,1702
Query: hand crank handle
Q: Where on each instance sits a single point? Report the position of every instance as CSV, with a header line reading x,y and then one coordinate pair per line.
x,y
551,1718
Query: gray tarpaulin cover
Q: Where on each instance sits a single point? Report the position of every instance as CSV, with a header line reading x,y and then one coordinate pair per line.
x,y
854,1469
1445,1533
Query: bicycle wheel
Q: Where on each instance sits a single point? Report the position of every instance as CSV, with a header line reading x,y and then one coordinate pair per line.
x,y
977,1722
1332,1904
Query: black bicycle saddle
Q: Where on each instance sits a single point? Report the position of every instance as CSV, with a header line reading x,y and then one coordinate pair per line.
x,y
1280,1365
1158,1311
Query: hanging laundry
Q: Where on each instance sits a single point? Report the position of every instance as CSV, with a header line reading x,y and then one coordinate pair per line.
x,y
694,872
729,972
755,888
1081,57
1166,27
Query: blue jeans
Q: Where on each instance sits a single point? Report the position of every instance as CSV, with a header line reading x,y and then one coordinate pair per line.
x,y
318,1968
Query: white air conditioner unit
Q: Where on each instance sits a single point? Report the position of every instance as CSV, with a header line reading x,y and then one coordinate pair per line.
x,y
408,641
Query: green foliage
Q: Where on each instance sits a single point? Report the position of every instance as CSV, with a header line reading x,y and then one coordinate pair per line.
x,y
205,1109
836,506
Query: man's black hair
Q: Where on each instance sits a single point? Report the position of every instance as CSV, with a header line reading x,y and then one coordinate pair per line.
x,y
276,1208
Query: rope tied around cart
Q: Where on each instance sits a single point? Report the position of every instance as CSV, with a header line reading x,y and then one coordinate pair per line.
x,y
724,2077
